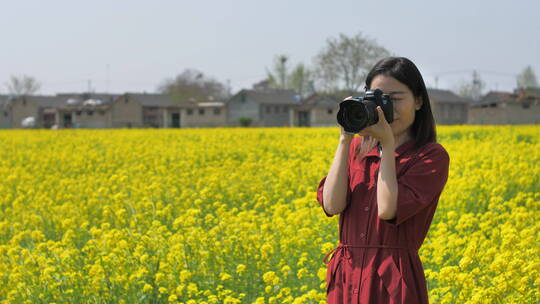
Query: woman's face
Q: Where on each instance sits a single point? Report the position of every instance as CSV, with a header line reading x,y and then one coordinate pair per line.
x,y
405,104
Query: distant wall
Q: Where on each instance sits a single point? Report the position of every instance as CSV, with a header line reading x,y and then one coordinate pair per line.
x,y
505,113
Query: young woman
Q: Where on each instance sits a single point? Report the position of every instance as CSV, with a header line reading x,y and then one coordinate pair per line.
x,y
385,184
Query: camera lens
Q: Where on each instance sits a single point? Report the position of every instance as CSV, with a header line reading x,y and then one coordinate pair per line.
x,y
357,115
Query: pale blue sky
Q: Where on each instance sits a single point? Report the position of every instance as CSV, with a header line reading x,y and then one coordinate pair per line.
x,y
65,43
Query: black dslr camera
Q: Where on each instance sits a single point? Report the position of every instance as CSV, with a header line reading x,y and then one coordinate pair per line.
x,y
358,113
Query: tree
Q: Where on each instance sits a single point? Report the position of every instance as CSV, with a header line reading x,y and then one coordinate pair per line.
x,y
473,89
278,79
23,85
192,85
300,79
345,61
527,78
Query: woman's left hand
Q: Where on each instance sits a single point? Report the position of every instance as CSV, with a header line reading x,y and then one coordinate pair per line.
x,y
381,130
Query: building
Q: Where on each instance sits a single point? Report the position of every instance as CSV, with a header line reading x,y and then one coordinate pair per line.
x,y
91,110
5,112
160,111
74,110
265,108
61,111
316,110
447,107
519,107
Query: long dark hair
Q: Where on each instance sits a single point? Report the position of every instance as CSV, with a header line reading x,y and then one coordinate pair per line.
x,y
406,72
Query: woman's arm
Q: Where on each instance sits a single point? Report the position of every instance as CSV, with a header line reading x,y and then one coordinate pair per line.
x,y
335,186
387,187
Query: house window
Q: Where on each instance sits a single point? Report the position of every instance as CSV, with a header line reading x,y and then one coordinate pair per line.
x,y
89,113
276,109
78,113
201,111
243,98
216,111
126,100
330,111
267,109
5,114
284,109
189,111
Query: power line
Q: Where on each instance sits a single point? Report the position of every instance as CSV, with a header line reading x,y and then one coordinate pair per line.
x,y
469,71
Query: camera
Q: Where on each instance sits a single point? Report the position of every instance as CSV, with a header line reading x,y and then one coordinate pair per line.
x,y
360,112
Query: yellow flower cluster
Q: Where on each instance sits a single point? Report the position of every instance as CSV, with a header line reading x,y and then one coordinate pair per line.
x,y
229,216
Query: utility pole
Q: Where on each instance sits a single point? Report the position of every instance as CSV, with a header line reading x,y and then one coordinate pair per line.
x,y
108,72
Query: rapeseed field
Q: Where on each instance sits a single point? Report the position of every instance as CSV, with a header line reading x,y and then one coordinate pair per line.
x,y
231,216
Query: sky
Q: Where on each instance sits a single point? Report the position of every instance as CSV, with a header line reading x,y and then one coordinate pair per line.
x,y
133,46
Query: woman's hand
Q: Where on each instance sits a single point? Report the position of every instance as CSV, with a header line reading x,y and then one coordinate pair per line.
x,y
380,131
343,133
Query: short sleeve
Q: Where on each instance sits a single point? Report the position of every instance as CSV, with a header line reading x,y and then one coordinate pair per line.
x,y
323,180
422,184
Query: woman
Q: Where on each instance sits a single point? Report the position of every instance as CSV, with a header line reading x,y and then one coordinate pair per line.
x,y
385,184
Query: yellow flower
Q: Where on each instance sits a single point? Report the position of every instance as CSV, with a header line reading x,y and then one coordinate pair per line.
x,y
225,276
123,244
147,288
322,273
185,275
144,258
240,268
268,277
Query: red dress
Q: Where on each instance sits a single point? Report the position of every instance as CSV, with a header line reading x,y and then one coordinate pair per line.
x,y
377,260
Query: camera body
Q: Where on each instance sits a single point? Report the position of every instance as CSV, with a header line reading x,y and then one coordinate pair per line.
x,y
360,112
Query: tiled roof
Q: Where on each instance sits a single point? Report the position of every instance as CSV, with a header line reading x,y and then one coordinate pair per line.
x,y
497,97
273,96
65,100
80,99
323,100
154,100
45,101
446,96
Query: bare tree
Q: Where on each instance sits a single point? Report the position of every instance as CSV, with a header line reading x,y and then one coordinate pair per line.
x,y
301,80
473,89
23,85
192,85
278,76
527,78
345,61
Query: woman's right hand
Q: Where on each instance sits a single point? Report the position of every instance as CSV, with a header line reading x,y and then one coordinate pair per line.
x,y
343,133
